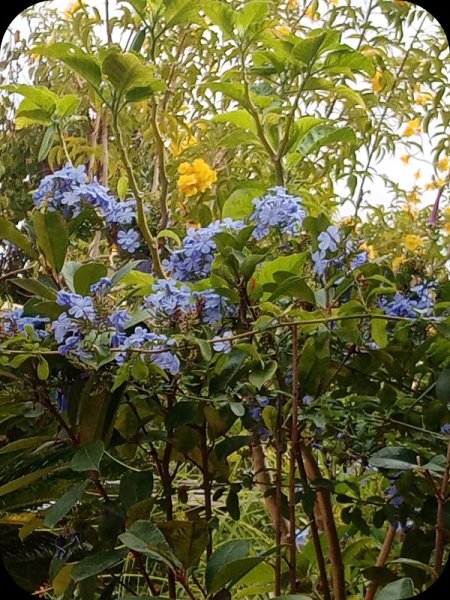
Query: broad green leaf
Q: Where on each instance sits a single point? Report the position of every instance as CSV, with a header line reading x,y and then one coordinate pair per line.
x,y
394,457
239,203
84,64
67,105
351,59
25,444
295,287
397,590
443,386
40,96
228,371
259,375
88,457
135,487
188,540
145,537
43,370
222,16
307,49
87,275
178,12
8,231
168,233
128,74
379,333
35,287
64,505
52,237
230,445
293,263
223,555
241,118
96,563
231,573
120,274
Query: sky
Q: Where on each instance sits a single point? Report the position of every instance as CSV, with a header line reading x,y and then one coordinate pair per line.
x,y
392,166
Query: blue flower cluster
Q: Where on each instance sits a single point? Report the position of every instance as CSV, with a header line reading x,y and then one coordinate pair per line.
x,y
157,343
277,209
170,299
14,321
193,260
419,299
68,190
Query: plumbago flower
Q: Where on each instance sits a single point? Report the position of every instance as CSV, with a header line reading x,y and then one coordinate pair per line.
x,y
69,191
279,210
417,300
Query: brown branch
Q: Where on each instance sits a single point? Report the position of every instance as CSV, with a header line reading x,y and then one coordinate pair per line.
x,y
441,500
292,463
381,560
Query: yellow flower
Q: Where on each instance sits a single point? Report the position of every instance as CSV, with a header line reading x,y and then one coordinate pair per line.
x,y
292,4
369,51
369,249
412,242
440,182
444,164
430,186
281,31
447,213
424,99
72,7
310,12
195,177
397,262
413,197
412,127
376,82
405,158
334,2
446,228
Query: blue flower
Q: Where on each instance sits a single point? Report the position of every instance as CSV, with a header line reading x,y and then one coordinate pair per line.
x,y
221,345
359,259
167,298
119,319
81,307
62,326
102,286
320,262
128,240
329,239
62,400
307,400
446,429
277,209
14,322
301,537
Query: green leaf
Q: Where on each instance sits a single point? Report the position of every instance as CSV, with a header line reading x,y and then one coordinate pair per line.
x,y
135,487
228,371
188,540
443,386
379,333
40,96
96,563
8,231
67,105
84,64
239,203
52,237
123,271
178,12
88,457
122,187
293,263
241,118
324,135
293,597
231,573
25,480
307,50
25,444
168,233
128,74
87,275
260,375
145,537
47,143
35,287
394,457
230,445
43,370
64,505
224,554
397,590
295,287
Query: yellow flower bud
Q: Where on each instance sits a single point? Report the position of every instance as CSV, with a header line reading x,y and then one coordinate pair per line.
x,y
412,242
412,127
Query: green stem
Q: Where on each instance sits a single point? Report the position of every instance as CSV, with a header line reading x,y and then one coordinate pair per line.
x,y
141,219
